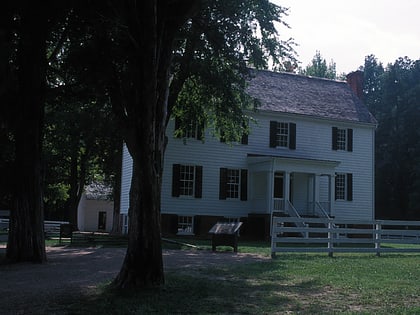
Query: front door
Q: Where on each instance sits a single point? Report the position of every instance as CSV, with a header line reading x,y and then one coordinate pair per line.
x,y
102,221
278,185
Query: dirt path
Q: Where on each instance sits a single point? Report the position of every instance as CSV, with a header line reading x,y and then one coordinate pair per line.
x,y
70,272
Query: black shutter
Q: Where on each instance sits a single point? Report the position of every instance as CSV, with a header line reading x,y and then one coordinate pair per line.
x,y
273,134
335,185
223,183
197,224
198,182
244,185
292,136
222,136
244,139
350,140
176,169
349,187
334,138
200,131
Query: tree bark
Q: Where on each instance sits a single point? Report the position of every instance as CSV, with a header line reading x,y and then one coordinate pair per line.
x,y
151,29
26,235
116,192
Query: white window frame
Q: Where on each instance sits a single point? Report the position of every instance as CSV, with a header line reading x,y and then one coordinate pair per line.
x,y
282,134
341,186
192,130
233,190
341,139
187,180
185,225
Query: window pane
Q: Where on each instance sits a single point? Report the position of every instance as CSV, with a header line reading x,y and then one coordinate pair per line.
x,y
340,186
341,139
185,225
233,181
187,180
282,135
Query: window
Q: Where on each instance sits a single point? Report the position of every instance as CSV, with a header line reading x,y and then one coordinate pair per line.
x,y
233,184
185,225
282,134
342,139
344,186
189,129
187,180
233,181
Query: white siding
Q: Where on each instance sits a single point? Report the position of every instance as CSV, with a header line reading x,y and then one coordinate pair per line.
x,y
212,155
313,141
126,174
88,214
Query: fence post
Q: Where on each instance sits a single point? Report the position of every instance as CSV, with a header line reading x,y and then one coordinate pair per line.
x,y
330,239
378,239
273,235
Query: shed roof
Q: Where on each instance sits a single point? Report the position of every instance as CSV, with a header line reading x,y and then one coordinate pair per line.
x,y
303,95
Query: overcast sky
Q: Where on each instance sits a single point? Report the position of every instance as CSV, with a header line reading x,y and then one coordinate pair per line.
x,y
348,31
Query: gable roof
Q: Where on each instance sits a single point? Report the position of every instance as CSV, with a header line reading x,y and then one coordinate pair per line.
x,y
302,95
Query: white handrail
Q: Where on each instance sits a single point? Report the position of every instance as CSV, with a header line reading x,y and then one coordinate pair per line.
x,y
322,211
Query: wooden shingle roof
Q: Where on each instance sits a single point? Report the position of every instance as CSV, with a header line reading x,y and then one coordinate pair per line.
x,y
302,95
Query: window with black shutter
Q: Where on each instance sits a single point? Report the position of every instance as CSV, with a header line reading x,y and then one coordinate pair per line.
x,y
233,184
191,129
187,180
344,186
282,134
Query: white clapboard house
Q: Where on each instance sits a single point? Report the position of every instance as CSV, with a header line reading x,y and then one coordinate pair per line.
x,y
309,153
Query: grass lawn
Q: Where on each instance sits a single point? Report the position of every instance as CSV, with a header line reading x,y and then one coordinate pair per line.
x,y
291,283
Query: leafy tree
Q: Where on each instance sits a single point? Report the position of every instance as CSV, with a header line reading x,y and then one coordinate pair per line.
x,y
392,95
199,46
82,143
319,68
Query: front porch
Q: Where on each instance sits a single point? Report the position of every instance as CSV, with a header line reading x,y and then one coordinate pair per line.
x,y
292,186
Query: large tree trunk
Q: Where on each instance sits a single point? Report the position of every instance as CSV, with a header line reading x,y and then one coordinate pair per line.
x,y
116,192
151,26
142,109
77,185
26,235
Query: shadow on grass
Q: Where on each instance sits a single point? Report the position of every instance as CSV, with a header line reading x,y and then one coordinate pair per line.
x,y
256,288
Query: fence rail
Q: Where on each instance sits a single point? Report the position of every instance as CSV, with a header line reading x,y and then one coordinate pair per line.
x,y
291,234
50,227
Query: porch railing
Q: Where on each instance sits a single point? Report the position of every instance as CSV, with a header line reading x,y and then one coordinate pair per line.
x,y
279,205
285,206
319,209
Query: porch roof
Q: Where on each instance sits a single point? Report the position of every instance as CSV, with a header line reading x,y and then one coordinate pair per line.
x,y
263,162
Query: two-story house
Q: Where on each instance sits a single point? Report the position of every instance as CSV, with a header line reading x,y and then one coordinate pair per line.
x,y
309,152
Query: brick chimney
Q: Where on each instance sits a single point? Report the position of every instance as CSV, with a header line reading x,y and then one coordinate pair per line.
x,y
355,80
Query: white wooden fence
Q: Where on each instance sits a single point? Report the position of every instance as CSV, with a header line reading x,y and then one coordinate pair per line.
x,y
50,227
328,235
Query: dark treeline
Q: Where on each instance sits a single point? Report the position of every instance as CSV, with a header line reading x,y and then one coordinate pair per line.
x,y
392,94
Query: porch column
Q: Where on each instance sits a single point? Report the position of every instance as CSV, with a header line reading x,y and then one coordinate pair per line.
x,y
332,194
316,188
286,189
270,190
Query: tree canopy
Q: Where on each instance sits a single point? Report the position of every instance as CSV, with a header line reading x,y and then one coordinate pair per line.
x,y
319,68
146,60
392,94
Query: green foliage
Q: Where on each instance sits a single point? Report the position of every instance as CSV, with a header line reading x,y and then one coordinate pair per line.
x,y
393,94
319,68
212,60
